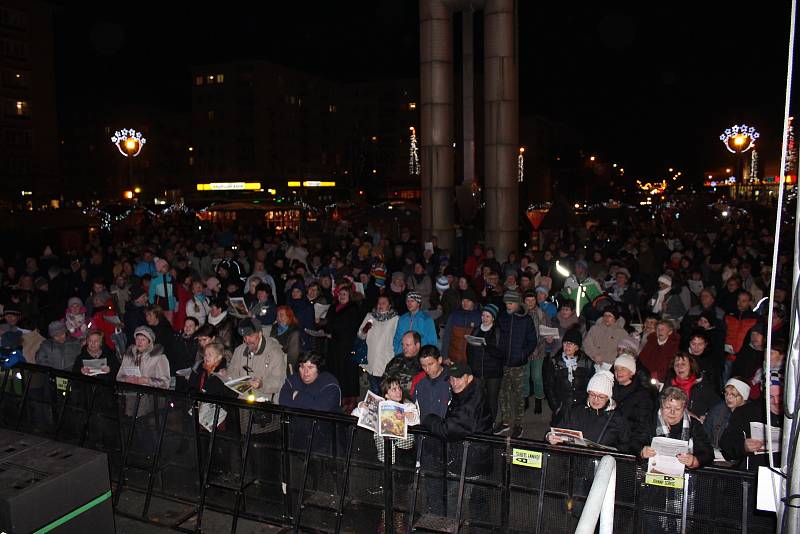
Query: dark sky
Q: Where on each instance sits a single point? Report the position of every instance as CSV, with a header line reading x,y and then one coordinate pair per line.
x,y
650,87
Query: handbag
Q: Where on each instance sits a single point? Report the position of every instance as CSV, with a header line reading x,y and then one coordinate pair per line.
x,y
359,352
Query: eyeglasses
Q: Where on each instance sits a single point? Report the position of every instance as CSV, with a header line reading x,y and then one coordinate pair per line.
x,y
672,410
598,396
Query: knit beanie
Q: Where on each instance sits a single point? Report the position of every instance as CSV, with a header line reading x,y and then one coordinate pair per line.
x,y
741,387
602,382
413,295
442,284
491,309
665,279
627,361
511,296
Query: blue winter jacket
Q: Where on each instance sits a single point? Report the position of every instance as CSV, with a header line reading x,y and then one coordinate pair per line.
x,y
421,323
517,337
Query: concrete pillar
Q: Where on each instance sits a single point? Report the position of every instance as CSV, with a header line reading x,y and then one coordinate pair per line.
x,y
501,125
468,92
436,128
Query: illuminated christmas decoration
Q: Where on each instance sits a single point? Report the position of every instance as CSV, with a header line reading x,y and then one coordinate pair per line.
x,y
129,142
521,164
791,151
413,153
739,138
754,166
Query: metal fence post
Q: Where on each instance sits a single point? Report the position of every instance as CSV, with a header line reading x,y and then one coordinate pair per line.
x,y
286,473
206,469
388,487
156,455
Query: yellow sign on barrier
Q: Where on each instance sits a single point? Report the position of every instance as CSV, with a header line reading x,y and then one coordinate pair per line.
x,y
665,481
526,458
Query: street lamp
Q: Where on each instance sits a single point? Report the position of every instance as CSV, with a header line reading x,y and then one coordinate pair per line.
x,y
129,142
738,139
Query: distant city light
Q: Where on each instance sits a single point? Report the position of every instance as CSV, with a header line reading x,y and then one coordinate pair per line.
x,y
592,158
229,186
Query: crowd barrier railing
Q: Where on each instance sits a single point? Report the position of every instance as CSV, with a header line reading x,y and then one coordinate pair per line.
x,y
319,472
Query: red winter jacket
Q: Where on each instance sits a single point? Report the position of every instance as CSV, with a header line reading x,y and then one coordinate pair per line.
x,y
738,324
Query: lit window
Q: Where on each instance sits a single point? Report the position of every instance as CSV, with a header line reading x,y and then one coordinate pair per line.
x,y
331,108
191,160
22,108
198,80
412,106
220,78
211,115
210,79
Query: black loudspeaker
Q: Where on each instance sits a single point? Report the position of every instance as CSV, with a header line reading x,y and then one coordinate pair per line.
x,y
46,486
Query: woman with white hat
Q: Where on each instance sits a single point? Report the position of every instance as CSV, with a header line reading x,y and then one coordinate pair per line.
x,y
736,394
635,401
597,419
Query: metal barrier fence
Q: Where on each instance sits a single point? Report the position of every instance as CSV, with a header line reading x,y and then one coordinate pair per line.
x,y
319,472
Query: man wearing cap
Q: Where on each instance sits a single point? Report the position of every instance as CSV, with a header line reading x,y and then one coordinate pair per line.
x,y
600,343
737,444
415,320
60,351
517,342
262,359
461,323
467,414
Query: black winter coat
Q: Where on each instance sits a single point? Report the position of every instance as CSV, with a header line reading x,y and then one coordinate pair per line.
x,y
467,414
486,362
343,326
635,403
606,427
560,393
732,441
703,395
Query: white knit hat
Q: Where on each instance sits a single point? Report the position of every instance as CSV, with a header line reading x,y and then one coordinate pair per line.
x,y
741,387
627,361
665,279
602,382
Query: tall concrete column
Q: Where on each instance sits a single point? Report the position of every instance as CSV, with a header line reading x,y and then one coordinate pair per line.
x,y
501,125
436,129
468,92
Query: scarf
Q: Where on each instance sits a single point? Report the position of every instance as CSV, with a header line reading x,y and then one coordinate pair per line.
x,y
685,384
572,364
282,328
218,319
381,317
663,428
662,293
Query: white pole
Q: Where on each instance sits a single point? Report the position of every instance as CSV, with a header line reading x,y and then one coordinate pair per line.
x,y
600,501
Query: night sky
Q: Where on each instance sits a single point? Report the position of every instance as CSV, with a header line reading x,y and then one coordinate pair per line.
x,y
648,87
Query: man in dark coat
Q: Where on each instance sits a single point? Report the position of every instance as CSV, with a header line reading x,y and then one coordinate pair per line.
x,y
467,414
517,342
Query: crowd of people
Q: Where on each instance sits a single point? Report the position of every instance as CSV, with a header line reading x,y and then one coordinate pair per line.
x,y
651,331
